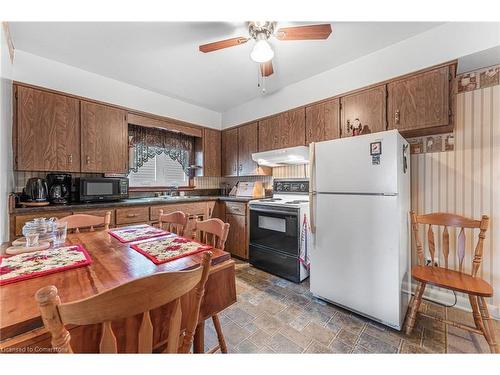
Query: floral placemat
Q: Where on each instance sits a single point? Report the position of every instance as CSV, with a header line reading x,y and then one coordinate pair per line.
x,y
169,248
136,233
38,263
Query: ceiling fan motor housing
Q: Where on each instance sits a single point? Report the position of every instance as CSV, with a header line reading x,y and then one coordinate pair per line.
x,y
262,30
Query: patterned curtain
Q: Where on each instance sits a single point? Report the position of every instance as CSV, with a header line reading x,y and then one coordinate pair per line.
x,y
145,143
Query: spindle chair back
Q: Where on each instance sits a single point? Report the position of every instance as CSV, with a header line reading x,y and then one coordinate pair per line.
x,y
77,222
435,268
174,222
133,298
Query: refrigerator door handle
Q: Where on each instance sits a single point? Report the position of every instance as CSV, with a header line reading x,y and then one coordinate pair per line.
x,y
312,185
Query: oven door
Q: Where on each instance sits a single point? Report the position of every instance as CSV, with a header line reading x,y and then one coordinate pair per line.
x,y
275,228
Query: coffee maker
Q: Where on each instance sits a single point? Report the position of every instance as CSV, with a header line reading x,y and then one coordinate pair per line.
x,y
59,185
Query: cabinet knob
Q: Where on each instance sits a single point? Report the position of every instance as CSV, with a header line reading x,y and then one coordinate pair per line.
x,y
87,159
70,159
396,117
131,215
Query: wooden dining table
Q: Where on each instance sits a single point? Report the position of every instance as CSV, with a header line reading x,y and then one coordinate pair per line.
x,y
113,263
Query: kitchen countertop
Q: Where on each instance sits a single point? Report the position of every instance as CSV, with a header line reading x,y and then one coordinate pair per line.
x,y
130,202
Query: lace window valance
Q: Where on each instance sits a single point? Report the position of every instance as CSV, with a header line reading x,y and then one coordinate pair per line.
x,y
145,143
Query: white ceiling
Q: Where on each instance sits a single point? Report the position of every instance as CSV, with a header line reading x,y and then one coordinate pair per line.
x,y
163,56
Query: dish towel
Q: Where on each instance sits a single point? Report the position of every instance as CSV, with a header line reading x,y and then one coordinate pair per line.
x,y
304,257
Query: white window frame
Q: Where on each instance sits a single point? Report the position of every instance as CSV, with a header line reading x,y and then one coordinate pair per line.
x,y
161,176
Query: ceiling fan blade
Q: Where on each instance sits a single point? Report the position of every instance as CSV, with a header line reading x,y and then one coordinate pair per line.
x,y
266,69
223,44
308,32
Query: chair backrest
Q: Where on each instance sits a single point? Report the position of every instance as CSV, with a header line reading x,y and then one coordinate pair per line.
x,y
174,222
455,221
135,297
212,232
79,221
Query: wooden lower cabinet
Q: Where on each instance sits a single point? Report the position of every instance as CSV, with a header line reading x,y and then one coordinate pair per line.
x,y
132,215
120,216
237,242
234,213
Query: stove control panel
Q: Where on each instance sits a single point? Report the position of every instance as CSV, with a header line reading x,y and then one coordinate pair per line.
x,y
291,186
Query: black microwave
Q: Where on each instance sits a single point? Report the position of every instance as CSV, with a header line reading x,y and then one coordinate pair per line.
x,y
103,189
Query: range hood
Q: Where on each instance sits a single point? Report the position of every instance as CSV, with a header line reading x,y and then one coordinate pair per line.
x,y
283,156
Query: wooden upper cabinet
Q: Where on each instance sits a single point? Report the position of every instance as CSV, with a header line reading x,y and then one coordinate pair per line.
x,y
104,134
420,101
288,129
269,134
211,153
367,107
323,121
293,128
229,152
247,145
47,131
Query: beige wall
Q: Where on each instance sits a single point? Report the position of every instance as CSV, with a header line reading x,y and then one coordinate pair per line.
x,y
466,181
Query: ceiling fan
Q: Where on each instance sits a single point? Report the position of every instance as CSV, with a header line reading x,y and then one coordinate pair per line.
x,y
261,32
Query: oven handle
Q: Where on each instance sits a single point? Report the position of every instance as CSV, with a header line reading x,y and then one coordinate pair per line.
x,y
273,211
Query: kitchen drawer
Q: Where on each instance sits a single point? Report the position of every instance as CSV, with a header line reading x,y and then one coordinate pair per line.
x,y
275,262
98,213
132,215
236,208
198,208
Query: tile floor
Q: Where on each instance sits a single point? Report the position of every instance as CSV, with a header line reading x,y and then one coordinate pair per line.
x,y
273,315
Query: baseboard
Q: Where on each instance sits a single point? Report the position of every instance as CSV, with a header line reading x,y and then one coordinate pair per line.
x,y
446,297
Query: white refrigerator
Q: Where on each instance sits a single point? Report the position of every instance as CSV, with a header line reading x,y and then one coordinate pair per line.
x,y
360,202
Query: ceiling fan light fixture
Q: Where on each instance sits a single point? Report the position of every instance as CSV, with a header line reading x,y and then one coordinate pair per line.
x,y
262,51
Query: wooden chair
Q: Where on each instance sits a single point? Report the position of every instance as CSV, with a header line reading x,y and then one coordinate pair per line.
x,y
135,297
79,221
174,222
444,277
213,232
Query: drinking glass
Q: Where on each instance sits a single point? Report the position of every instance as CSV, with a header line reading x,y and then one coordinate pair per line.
x,y
32,238
60,232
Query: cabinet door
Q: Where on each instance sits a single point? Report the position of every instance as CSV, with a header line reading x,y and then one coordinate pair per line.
x,y
420,101
322,121
104,139
269,134
230,152
293,128
367,108
247,145
211,153
48,131
236,242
